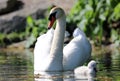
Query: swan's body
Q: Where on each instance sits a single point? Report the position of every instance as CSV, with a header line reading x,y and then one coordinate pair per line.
x,y
54,57
89,70
77,52
42,48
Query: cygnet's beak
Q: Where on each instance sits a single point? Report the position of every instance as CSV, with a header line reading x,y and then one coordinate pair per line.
x,y
95,69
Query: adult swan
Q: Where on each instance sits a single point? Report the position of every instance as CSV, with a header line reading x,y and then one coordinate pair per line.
x,y
49,54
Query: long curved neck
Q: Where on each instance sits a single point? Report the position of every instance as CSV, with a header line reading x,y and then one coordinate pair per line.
x,y
58,39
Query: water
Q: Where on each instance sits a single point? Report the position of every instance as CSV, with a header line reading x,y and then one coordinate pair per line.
x,y
18,66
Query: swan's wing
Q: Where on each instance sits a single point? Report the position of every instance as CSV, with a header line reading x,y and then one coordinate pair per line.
x,y
78,32
38,45
76,53
67,34
43,43
42,48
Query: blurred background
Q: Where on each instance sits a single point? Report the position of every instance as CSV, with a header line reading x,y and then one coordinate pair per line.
x,y
22,21
26,19
20,17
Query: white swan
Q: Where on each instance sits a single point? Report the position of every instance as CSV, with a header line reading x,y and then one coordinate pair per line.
x,y
77,52
42,48
89,70
55,58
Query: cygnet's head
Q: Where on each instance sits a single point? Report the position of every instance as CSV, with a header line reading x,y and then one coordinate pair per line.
x,y
55,13
92,65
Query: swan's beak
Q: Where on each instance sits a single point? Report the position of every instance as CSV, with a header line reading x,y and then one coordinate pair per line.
x,y
51,22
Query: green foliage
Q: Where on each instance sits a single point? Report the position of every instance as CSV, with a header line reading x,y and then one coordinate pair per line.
x,y
115,36
34,29
94,16
1,39
6,39
116,13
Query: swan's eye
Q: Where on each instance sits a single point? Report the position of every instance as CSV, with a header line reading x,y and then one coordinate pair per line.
x,y
52,15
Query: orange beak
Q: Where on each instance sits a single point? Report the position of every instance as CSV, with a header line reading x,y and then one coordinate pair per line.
x,y
51,22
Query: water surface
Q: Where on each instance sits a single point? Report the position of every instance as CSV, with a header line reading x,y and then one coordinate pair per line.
x,y
18,66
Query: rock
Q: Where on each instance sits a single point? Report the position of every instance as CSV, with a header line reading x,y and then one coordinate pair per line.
x,y
3,4
18,23
7,6
20,45
15,24
13,13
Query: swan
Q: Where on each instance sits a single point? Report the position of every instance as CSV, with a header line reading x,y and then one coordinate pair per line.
x,y
78,32
77,52
89,70
42,48
49,54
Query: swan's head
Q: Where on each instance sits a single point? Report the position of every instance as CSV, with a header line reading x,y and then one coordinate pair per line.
x,y
55,13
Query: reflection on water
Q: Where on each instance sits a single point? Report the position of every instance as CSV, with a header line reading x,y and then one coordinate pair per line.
x,y
18,66
63,76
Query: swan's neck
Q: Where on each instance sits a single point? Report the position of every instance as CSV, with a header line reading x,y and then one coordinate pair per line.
x,y
58,39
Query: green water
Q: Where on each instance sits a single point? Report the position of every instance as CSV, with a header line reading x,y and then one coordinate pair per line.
x,y
18,66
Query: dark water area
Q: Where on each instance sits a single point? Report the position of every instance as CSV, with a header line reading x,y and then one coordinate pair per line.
x,y
18,66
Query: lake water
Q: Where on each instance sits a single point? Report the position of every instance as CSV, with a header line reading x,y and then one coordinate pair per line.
x,y
18,66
